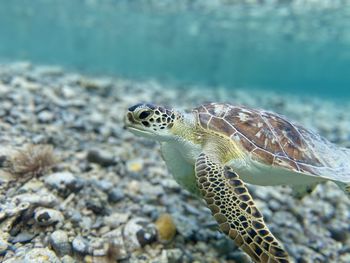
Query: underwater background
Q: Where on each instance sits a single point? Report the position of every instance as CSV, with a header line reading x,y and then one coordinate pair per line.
x,y
293,46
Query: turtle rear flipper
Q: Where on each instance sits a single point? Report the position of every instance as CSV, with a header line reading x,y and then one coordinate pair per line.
x,y
234,209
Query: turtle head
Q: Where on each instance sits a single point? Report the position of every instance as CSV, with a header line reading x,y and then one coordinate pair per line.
x,y
154,122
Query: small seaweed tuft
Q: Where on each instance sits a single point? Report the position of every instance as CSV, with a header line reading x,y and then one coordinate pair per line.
x,y
32,160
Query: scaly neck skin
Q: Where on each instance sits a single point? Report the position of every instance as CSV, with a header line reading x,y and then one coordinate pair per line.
x,y
185,137
184,128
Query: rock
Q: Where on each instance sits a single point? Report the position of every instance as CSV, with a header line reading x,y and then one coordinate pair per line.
x,y
192,209
239,256
33,185
150,210
115,195
134,166
46,216
38,199
225,246
75,216
97,203
94,84
40,255
85,223
3,246
274,205
99,253
22,237
185,226
68,92
13,208
68,259
59,242
172,255
134,187
116,219
3,160
151,191
13,259
165,227
80,245
46,116
64,181
116,244
338,233
103,185
139,232
102,158
4,89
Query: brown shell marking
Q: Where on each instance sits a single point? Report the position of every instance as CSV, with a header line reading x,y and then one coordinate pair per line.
x,y
268,137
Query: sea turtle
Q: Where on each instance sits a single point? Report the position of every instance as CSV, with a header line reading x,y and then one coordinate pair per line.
x,y
215,148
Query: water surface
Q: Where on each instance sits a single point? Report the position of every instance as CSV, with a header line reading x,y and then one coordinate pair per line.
x,y
279,47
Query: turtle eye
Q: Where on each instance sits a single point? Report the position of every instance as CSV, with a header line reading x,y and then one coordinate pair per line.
x,y
144,114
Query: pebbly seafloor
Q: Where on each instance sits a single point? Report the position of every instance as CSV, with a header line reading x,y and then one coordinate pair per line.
x,y
109,196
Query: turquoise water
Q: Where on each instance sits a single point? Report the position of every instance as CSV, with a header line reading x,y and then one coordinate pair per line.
x,y
278,47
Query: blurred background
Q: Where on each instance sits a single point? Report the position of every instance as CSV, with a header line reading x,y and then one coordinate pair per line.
x,y
292,46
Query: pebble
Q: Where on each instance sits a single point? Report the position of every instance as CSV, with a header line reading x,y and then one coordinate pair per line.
x,y
116,219
134,166
80,245
239,256
40,255
75,216
64,181
46,216
60,243
103,185
139,232
186,226
68,259
22,237
85,223
133,187
102,158
97,204
115,195
174,255
42,199
151,191
165,227
116,243
339,233
32,186
45,116
3,246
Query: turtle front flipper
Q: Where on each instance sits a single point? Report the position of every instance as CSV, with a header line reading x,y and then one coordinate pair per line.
x,y
235,211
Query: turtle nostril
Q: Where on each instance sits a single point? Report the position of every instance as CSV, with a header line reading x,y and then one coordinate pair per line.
x,y
130,117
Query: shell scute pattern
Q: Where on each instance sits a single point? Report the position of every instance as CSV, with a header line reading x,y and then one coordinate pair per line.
x,y
265,136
